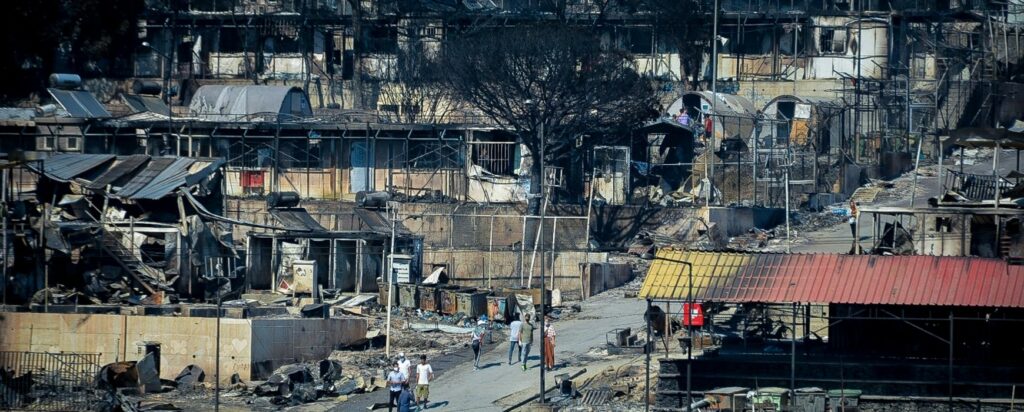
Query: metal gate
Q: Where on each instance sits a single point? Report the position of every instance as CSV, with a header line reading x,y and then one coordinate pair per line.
x,y
48,381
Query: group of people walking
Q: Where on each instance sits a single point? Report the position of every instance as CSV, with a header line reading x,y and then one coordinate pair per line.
x,y
398,384
521,336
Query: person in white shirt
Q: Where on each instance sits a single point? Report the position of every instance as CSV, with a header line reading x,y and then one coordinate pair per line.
x,y
424,374
404,365
513,338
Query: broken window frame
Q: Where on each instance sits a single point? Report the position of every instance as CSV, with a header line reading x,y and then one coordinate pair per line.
x,y
827,42
494,157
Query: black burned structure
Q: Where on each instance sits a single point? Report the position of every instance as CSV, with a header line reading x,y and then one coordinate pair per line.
x,y
124,229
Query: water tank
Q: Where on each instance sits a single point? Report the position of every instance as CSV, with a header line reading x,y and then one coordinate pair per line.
x,y
279,200
146,87
65,81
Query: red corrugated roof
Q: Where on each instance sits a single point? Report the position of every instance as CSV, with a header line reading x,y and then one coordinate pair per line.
x,y
857,279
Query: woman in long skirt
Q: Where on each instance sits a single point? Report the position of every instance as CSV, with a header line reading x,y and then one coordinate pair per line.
x,y
549,345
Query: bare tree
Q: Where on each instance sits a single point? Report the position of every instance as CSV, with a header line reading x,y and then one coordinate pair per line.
x,y
412,84
547,77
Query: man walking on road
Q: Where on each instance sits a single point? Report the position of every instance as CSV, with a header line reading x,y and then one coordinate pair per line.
x,y
395,381
424,374
513,338
525,340
478,341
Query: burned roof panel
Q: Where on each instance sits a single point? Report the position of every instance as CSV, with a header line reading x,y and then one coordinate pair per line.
x,y
297,219
64,167
122,168
141,104
376,222
79,103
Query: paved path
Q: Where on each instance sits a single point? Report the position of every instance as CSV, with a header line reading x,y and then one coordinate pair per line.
x,y
465,389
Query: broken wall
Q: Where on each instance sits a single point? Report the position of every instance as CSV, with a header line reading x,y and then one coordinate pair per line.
x,y
247,346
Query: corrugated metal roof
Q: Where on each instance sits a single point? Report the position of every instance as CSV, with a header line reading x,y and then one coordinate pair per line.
x,y
166,181
64,167
735,113
160,177
122,167
848,279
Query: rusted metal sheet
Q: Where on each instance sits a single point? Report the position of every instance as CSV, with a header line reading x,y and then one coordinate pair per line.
x,y
848,279
429,298
449,301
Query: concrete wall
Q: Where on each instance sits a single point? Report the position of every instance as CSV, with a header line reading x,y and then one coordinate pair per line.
x,y
277,342
248,346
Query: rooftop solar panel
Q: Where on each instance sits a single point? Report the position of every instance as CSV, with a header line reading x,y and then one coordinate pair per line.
x,y
79,103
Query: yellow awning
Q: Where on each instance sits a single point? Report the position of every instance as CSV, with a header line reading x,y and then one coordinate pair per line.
x,y
667,279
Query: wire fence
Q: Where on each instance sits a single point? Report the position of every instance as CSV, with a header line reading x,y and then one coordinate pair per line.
x,y
42,381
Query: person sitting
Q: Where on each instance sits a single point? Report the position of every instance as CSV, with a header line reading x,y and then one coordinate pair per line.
x,y
684,117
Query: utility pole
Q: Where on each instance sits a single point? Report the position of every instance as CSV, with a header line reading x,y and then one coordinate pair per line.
x,y
543,286
393,213
788,239
3,213
216,373
710,150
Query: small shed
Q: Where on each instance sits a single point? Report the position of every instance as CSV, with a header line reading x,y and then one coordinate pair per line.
x,y
802,122
248,103
662,152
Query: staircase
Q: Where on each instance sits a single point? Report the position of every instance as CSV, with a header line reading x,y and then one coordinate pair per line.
x,y
111,242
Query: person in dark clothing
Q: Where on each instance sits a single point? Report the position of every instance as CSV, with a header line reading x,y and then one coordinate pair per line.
x,y
405,399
